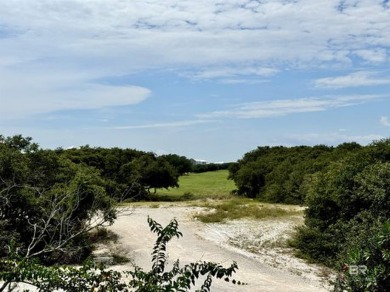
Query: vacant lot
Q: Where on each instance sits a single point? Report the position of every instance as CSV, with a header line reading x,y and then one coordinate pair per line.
x,y
256,245
222,228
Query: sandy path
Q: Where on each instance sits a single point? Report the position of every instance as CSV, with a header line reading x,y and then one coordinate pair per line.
x,y
137,241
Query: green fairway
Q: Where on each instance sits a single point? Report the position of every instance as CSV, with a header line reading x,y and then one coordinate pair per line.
x,y
212,184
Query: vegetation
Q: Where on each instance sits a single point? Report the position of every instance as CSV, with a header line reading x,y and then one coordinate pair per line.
x,y
128,173
206,167
178,278
366,265
242,208
185,165
212,184
281,174
90,277
346,190
48,203
49,200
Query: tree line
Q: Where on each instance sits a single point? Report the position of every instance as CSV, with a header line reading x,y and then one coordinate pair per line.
x,y
51,199
49,195
347,193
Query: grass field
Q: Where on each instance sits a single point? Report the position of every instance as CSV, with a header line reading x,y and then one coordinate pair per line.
x,y
212,184
212,190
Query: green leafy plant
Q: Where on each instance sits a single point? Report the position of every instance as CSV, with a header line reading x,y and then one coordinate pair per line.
x,y
178,278
89,277
93,277
366,266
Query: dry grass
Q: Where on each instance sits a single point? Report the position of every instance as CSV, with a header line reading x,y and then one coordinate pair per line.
x,y
243,208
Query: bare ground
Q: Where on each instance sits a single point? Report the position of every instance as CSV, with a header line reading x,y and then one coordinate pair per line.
x,y
258,246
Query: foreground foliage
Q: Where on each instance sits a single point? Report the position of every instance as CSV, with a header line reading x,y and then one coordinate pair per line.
x,y
90,277
366,266
178,278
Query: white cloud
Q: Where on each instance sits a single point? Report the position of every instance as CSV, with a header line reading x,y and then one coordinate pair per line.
x,y
265,109
24,94
385,121
373,55
361,78
229,72
243,81
128,35
176,124
52,52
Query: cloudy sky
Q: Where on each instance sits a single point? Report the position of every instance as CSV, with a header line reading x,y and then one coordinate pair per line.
x,y
208,79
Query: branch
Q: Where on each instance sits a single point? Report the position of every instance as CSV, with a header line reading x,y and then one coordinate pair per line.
x,y
59,227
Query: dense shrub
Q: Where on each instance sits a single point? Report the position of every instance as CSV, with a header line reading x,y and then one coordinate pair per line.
x,y
47,202
347,193
128,173
281,174
348,212
365,266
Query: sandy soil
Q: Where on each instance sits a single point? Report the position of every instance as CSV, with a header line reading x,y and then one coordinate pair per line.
x,y
257,246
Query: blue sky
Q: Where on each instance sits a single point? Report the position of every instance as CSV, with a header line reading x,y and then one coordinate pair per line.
x,y
208,79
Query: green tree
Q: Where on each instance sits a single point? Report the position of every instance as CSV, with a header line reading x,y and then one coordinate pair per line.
x,y
150,172
128,173
181,163
345,202
47,203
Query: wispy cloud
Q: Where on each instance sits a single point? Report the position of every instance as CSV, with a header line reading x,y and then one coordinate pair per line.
x,y
230,72
24,101
378,55
243,81
385,121
264,109
34,88
362,78
176,124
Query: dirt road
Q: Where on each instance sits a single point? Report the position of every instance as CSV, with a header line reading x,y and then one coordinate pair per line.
x,y
204,242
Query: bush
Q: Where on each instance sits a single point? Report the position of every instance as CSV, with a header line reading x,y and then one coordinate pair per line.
x,y
366,264
91,277
47,203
